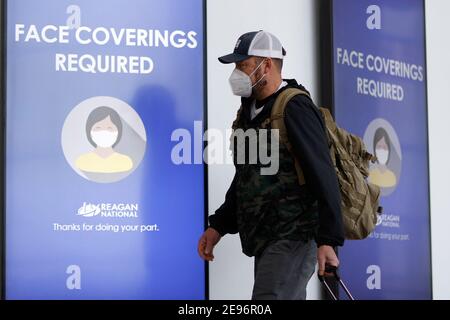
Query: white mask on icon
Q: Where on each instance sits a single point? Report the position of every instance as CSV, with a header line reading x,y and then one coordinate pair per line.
x,y
104,139
382,156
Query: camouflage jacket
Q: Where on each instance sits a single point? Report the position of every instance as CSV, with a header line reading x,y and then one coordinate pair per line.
x,y
265,208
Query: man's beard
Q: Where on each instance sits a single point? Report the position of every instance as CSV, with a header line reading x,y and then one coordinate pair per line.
x,y
257,89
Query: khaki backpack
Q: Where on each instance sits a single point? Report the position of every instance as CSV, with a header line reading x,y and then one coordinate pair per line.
x,y
359,198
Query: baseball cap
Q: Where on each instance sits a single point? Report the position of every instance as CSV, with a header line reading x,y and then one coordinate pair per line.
x,y
257,43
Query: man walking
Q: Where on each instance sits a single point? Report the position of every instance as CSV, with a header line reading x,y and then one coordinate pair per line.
x,y
286,226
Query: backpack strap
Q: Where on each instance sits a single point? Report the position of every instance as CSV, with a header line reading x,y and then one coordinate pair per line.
x,y
328,118
331,132
277,120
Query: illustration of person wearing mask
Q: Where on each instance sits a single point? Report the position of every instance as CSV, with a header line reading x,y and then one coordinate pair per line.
x,y
104,131
380,174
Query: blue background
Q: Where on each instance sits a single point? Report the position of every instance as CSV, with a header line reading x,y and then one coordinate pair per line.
x,y
405,265
41,187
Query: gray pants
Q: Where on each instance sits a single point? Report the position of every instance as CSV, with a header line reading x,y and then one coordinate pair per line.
x,y
284,269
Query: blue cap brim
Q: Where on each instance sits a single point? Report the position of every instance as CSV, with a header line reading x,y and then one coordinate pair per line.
x,y
233,58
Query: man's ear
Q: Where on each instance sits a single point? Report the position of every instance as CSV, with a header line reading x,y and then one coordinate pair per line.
x,y
269,65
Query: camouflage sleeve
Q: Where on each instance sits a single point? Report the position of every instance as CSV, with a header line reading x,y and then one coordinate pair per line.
x,y
224,220
307,135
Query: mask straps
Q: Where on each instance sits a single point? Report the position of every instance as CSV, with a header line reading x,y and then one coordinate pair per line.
x,y
257,82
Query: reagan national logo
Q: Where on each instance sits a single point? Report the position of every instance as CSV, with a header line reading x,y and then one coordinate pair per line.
x,y
109,210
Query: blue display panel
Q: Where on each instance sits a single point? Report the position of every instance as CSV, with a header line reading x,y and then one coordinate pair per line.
x,y
380,94
96,205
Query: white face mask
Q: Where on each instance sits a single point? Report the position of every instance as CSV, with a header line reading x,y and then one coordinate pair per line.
x,y
104,139
382,155
241,83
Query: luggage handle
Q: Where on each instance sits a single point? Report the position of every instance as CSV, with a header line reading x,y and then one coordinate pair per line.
x,y
333,270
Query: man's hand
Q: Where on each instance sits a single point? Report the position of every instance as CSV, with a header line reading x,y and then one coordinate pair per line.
x,y
207,243
326,256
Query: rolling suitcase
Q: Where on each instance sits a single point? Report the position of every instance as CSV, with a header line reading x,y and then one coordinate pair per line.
x,y
333,270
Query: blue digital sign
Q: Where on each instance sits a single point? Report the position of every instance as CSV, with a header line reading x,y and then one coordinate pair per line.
x,y
380,95
96,206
